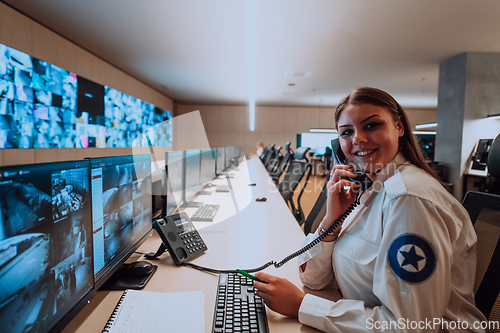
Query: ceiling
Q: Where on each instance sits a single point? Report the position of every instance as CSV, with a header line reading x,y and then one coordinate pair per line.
x,y
229,51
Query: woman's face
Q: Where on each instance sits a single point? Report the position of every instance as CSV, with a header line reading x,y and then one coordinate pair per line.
x,y
368,136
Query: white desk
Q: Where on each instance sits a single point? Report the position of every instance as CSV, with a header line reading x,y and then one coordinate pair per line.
x,y
258,233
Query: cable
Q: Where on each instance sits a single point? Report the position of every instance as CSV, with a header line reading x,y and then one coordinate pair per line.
x,y
304,249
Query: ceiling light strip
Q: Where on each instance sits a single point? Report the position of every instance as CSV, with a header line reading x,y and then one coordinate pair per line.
x,y
429,125
323,130
251,31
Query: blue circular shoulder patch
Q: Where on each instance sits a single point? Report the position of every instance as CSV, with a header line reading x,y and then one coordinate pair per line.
x,y
411,258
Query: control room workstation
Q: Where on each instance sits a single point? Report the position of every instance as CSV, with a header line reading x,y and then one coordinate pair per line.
x,y
76,234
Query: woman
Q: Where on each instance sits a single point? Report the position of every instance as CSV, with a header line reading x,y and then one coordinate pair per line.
x,y
260,148
404,259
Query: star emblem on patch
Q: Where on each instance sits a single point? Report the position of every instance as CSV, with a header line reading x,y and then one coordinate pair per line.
x,y
412,258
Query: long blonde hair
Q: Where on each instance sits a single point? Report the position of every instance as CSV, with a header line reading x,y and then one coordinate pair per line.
x,y
407,143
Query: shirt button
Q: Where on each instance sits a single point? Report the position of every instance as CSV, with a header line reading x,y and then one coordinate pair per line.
x,y
404,294
350,251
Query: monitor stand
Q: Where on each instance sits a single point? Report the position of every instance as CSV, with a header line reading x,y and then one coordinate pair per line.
x,y
128,278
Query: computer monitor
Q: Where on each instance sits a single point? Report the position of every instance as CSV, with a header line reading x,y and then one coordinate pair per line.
x,y
121,210
317,141
228,155
46,260
158,199
192,174
208,171
158,192
426,142
238,153
174,166
480,158
220,160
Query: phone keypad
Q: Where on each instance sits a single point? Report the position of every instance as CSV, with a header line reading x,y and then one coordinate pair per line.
x,y
193,242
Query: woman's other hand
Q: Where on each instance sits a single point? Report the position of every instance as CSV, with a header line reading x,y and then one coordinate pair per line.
x,y
279,294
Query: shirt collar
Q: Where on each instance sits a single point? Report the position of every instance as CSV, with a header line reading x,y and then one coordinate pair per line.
x,y
388,170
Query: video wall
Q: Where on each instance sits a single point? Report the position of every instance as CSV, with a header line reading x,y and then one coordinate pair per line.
x,y
45,106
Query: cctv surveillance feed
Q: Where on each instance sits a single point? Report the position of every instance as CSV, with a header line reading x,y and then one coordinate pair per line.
x,y
122,212
45,243
45,106
37,102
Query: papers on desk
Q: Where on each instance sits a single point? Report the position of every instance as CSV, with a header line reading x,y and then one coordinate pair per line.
x,y
148,311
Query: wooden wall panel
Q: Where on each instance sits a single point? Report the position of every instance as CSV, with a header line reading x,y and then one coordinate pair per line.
x,y
21,33
18,156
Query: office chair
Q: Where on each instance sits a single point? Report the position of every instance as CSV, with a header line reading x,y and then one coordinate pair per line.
x,y
275,161
327,161
294,174
263,155
484,211
285,161
269,155
492,182
318,211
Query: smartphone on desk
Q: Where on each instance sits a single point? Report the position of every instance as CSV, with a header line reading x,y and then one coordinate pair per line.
x,y
339,157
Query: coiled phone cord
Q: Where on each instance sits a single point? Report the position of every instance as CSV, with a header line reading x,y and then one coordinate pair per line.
x,y
304,249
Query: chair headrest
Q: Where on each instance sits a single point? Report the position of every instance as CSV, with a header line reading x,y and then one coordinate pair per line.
x,y
271,146
494,158
287,146
277,150
301,152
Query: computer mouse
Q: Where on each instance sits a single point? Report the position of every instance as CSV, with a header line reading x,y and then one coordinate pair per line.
x,y
252,184
261,199
137,268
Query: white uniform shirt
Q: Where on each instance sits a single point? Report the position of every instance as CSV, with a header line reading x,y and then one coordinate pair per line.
x,y
425,278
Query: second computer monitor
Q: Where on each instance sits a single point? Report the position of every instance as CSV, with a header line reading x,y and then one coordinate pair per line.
x,y
122,213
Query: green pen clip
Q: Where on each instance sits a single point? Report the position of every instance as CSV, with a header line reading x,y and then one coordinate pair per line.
x,y
250,276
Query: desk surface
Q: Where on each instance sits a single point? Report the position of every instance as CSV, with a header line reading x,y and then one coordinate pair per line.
x,y
245,234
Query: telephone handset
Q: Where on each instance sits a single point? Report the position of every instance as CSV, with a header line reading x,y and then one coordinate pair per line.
x,y
340,158
179,237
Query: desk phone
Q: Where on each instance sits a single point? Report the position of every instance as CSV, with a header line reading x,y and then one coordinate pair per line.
x,y
180,237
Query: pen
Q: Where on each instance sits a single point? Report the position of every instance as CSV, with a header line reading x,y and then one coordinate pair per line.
x,y
248,275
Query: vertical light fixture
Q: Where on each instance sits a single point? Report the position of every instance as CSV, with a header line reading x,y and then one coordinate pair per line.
x,y
251,32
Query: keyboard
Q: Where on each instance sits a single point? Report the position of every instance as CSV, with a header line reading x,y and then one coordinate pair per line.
x,y
237,308
222,188
206,212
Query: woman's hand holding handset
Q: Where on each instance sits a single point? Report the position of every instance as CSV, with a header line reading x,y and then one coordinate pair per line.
x,y
338,199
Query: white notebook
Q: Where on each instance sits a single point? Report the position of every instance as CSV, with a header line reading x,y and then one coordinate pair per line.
x,y
148,311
